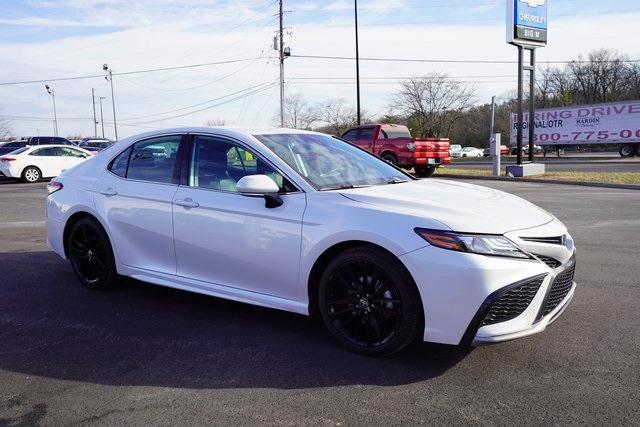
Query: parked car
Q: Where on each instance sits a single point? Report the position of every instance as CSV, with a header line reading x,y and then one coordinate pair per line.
x,y
34,163
454,148
48,140
308,223
35,140
504,150
395,144
468,152
95,144
525,149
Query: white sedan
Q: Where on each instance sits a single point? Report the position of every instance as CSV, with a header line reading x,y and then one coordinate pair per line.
x,y
32,163
304,222
468,152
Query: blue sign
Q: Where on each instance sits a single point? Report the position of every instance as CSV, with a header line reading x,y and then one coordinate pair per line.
x,y
531,14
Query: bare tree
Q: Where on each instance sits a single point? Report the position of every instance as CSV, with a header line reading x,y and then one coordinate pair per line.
x,y
433,103
5,129
337,115
298,114
215,122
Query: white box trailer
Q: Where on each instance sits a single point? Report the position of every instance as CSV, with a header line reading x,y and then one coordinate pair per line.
x,y
610,123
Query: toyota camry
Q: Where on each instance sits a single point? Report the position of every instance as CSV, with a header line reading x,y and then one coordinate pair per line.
x,y
308,223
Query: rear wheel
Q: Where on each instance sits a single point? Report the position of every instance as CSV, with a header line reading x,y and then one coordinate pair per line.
x,y
31,174
628,150
369,302
390,158
424,171
91,256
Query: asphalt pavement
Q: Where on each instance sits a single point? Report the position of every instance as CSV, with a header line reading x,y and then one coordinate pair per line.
x,y
143,354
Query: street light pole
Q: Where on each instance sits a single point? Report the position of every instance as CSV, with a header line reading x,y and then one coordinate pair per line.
x,y
355,3
51,92
281,48
106,68
101,116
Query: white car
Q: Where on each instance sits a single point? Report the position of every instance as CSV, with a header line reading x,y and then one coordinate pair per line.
x,y
305,222
468,152
32,163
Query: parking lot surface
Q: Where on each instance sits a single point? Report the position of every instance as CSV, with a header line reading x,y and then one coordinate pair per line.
x,y
142,354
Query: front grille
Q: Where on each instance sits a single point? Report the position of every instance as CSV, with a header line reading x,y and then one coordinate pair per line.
x,y
551,262
513,302
559,290
556,240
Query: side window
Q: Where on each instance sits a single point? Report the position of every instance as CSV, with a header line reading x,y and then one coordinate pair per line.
x,y
352,135
218,164
365,134
154,159
70,152
119,165
49,152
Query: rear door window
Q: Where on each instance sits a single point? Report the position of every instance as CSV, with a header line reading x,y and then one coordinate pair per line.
x,y
154,159
352,135
48,152
366,134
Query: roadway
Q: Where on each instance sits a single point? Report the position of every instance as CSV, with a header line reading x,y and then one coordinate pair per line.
x,y
144,355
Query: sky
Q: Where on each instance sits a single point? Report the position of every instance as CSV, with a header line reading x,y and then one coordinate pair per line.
x,y
51,39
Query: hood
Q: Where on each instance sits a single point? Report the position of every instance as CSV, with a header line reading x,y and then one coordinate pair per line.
x,y
460,206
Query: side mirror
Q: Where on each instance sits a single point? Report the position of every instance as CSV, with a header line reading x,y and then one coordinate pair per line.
x,y
261,186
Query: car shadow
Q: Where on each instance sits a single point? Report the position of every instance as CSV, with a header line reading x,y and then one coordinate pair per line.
x,y
140,334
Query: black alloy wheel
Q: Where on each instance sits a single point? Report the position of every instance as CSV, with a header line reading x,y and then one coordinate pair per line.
x,y
424,171
390,158
91,256
369,302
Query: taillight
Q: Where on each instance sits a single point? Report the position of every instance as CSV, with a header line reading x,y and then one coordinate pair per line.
x,y
7,159
54,186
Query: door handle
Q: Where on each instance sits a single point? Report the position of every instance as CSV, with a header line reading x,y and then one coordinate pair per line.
x,y
108,192
186,203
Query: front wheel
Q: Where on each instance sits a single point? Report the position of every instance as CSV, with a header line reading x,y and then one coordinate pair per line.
x,y
390,158
91,256
369,302
424,171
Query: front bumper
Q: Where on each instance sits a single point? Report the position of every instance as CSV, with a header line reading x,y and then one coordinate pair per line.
x,y
456,289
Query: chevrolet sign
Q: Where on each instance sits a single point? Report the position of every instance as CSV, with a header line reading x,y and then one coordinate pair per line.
x,y
527,22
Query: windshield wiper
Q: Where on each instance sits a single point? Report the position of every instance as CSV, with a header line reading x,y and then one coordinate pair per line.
x,y
396,180
345,187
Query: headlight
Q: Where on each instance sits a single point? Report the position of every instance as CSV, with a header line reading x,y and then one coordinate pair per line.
x,y
472,243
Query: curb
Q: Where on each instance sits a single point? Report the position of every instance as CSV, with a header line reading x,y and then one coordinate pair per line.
x,y
544,181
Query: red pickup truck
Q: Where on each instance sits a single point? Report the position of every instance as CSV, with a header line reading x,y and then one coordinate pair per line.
x,y
395,144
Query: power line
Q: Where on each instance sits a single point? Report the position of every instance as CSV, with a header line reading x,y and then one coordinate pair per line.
x,y
456,61
200,103
125,73
269,86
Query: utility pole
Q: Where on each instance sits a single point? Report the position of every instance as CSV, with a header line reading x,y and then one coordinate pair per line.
x,y
109,78
493,114
51,92
93,104
281,49
355,2
101,116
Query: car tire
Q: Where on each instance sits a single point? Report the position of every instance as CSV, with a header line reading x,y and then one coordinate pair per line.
x,y
31,174
369,302
390,158
628,150
91,256
424,171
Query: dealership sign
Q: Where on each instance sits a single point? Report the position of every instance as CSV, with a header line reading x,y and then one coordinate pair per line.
x,y
527,22
615,122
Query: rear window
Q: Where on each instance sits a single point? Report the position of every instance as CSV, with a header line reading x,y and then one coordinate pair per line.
x,y
20,150
393,132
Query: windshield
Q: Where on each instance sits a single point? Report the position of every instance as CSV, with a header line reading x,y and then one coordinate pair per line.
x,y
329,163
